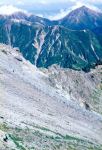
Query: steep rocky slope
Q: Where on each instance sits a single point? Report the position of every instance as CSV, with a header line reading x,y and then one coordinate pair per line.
x,y
85,88
48,45
37,110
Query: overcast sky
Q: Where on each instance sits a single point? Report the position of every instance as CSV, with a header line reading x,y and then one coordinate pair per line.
x,y
53,9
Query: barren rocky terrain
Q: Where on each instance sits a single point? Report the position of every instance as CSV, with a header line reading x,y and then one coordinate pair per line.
x,y
48,109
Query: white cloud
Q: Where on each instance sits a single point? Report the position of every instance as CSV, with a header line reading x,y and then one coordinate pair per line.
x,y
9,9
49,1
20,2
59,15
67,1
44,2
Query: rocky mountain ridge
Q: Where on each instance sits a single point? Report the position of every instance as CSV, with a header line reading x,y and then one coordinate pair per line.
x,y
44,42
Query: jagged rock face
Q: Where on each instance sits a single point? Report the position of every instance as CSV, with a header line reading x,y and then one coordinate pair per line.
x,y
82,18
83,87
69,49
45,45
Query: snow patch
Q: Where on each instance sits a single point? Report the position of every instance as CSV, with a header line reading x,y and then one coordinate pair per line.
x,y
94,51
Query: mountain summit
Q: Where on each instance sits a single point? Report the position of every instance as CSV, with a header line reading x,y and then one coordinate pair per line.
x,y
82,18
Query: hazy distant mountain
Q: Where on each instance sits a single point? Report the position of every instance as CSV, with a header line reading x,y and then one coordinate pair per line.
x,y
82,18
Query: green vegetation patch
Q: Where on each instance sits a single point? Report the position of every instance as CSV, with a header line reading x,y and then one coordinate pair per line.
x,y
17,141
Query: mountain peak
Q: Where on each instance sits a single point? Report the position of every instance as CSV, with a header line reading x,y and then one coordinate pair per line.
x,y
82,18
84,7
84,11
87,9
